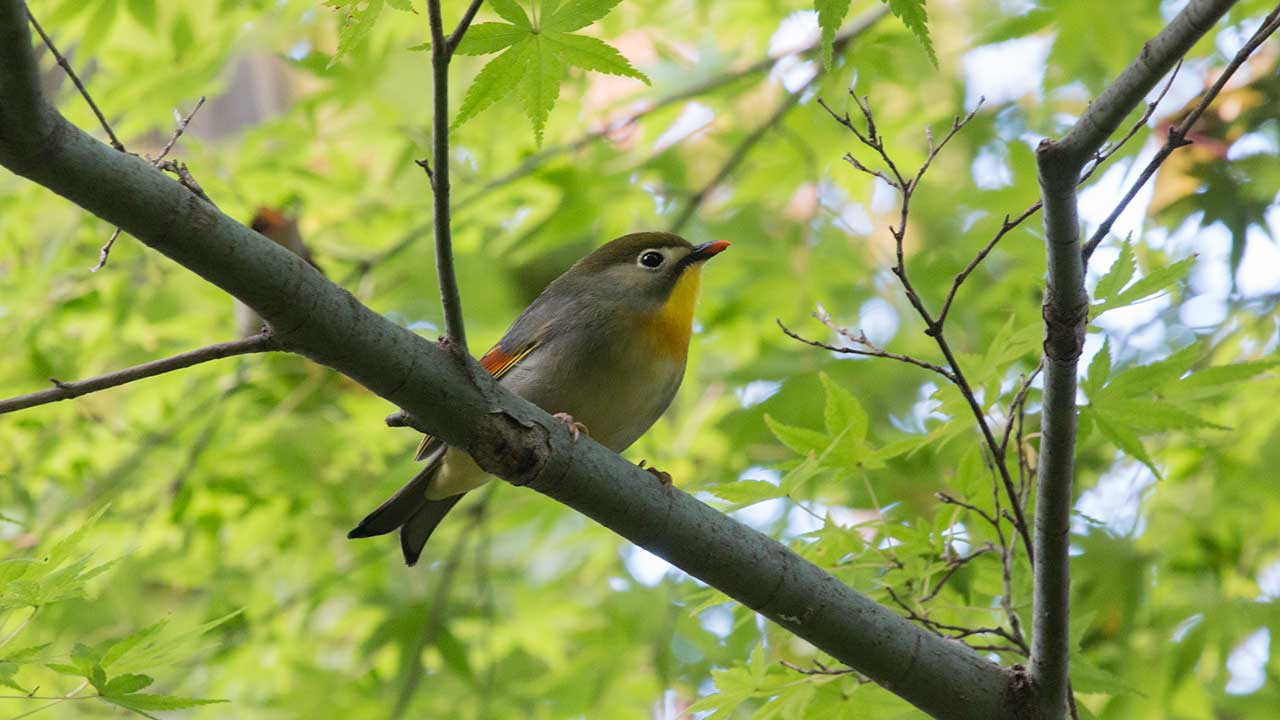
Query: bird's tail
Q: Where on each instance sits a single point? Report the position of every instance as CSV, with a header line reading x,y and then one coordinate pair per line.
x,y
409,511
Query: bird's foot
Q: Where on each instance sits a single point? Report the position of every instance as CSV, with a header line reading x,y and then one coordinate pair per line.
x,y
662,476
576,429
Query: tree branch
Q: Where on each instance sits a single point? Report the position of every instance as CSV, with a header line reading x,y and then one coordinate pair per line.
x,y
906,187
455,37
1065,310
75,79
68,390
461,404
105,250
1178,134
441,53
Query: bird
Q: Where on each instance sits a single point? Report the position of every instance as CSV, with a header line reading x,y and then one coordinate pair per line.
x,y
274,225
603,348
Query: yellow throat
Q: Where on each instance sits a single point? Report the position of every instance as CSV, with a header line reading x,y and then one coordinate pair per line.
x,y
669,327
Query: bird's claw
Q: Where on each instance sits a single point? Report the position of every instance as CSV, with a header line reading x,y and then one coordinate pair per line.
x,y
663,477
576,429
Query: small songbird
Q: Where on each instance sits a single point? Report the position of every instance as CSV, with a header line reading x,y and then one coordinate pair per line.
x,y
283,229
603,348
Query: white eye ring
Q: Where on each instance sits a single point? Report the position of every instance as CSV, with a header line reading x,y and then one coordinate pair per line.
x,y
651,259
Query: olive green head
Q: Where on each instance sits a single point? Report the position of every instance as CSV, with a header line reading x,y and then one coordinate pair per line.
x,y
643,266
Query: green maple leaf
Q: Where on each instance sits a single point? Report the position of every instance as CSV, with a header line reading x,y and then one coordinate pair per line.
x,y
534,55
912,13
830,14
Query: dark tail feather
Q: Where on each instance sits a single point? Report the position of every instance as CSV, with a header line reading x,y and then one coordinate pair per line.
x,y
418,528
398,508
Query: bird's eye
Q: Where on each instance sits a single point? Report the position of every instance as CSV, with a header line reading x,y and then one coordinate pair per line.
x,y
651,259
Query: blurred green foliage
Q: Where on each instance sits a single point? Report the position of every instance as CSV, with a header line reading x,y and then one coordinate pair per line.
x,y
208,508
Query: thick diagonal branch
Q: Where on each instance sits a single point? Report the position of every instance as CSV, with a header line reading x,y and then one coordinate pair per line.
x,y
461,404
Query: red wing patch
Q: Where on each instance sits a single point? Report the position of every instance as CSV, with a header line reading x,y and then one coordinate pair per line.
x,y
498,362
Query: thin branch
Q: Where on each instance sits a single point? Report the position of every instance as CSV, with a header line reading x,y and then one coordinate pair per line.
x,y
177,132
1105,154
750,141
1005,227
906,188
953,632
105,250
861,339
441,52
1015,406
455,37
1177,136
820,669
946,499
957,124
68,390
1009,224
185,179
953,565
84,92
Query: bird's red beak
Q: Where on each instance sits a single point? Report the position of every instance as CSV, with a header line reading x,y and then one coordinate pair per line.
x,y
706,251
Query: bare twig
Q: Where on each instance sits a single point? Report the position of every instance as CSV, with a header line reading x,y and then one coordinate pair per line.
x,y
1019,398
953,565
185,179
870,351
820,669
1105,153
1012,222
455,37
1178,134
177,132
105,250
1005,227
400,418
65,391
906,187
949,500
954,632
75,79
